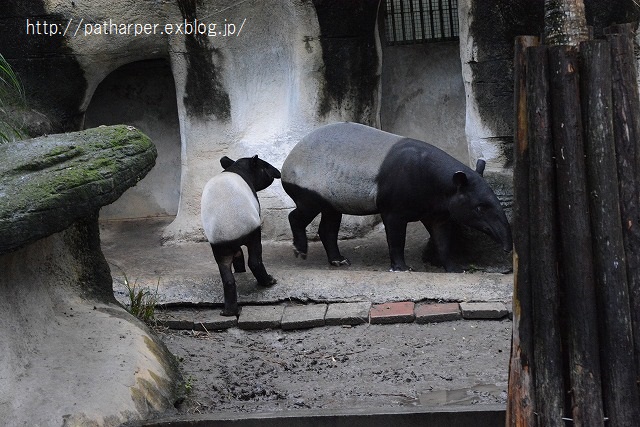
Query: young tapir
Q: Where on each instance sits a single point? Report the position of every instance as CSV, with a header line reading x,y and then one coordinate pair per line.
x,y
231,218
348,168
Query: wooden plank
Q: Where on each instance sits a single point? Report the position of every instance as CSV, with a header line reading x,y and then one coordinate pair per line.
x,y
616,337
577,284
547,371
520,407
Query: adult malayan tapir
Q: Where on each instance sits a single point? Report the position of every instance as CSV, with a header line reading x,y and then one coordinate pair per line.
x,y
348,168
231,218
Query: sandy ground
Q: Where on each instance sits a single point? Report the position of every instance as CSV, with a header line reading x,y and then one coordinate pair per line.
x,y
366,366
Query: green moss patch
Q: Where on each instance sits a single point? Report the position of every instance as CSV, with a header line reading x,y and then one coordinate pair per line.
x,y
47,183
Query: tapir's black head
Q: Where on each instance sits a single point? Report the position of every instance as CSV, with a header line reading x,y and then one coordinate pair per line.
x,y
255,171
474,204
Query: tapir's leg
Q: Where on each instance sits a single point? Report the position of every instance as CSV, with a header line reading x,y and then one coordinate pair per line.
x,y
299,219
328,231
441,235
395,228
224,259
238,261
254,247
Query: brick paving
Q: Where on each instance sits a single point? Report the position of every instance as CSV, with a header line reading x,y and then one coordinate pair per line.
x,y
392,312
433,313
301,316
347,313
260,316
211,320
483,310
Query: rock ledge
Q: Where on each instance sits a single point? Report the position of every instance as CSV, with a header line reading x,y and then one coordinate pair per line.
x,y
48,183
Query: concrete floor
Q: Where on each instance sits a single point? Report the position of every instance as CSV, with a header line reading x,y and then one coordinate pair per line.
x,y
187,274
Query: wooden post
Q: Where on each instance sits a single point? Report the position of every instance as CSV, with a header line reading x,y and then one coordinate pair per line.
x,y
616,337
577,285
520,403
626,112
565,22
547,371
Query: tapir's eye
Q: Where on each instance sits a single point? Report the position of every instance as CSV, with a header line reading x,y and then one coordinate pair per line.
x,y
479,209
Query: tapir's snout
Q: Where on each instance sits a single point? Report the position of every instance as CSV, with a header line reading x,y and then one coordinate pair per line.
x,y
501,233
507,240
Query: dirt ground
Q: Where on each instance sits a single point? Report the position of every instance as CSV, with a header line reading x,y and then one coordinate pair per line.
x,y
450,363
367,366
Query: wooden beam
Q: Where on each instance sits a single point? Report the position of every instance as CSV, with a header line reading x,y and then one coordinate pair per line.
x,y
616,337
547,371
626,119
520,408
577,284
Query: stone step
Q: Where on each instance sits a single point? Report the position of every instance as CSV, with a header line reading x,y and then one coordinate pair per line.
x,y
288,316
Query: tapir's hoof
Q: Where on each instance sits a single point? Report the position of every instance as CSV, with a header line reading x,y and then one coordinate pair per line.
x,y
454,268
297,253
229,312
400,268
341,262
270,282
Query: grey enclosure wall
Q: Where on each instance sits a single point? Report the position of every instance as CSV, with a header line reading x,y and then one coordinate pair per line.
x,y
423,95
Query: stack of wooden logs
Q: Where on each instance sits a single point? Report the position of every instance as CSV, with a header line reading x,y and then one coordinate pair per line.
x,y
576,341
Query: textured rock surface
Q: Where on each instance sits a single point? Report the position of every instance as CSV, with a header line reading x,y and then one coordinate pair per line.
x,y
48,183
71,355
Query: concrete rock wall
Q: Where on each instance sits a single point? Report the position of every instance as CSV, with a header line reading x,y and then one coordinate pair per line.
x,y
261,99
423,95
486,49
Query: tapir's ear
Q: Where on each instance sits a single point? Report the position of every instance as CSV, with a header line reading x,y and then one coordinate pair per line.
x,y
480,164
226,162
254,161
460,179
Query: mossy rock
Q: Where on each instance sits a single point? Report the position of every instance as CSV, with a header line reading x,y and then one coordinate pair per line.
x,y
48,183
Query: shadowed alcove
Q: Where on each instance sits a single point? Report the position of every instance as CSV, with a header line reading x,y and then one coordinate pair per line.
x,y
142,94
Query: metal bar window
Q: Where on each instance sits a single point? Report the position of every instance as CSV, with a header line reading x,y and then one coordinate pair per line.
x,y
420,21
421,7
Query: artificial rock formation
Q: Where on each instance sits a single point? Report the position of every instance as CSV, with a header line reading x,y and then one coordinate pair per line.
x,y
71,355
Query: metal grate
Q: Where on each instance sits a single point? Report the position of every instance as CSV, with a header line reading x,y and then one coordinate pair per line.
x,y
421,21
